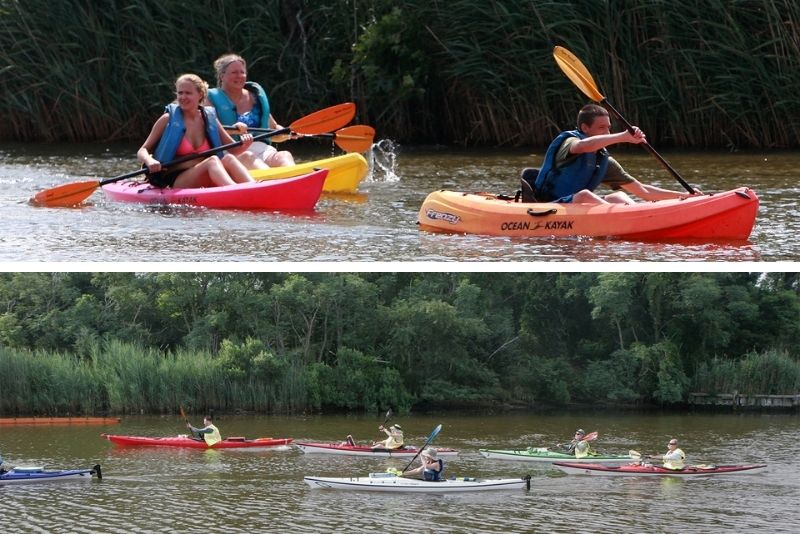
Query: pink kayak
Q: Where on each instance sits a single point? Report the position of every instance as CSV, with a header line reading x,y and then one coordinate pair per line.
x,y
297,193
187,442
637,469
350,450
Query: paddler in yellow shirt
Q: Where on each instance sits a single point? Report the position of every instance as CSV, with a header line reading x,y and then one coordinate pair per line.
x,y
395,439
209,433
578,446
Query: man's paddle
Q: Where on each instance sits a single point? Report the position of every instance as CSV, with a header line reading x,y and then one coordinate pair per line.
x,y
430,438
356,138
580,76
316,123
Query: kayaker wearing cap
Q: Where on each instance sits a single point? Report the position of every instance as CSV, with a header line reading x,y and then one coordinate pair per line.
x,y
395,439
674,457
577,162
209,433
578,445
431,469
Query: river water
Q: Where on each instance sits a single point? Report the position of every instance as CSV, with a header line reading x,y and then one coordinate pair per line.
x,y
163,490
377,225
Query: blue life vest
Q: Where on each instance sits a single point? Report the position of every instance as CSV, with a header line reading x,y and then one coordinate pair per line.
x,y
433,476
586,171
227,110
176,129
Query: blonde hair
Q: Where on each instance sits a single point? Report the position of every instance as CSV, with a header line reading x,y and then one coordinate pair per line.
x,y
197,81
222,63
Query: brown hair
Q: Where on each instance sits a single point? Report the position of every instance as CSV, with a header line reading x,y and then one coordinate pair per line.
x,y
222,63
589,113
197,81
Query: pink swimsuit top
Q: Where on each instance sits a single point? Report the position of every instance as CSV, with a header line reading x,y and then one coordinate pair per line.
x,y
186,147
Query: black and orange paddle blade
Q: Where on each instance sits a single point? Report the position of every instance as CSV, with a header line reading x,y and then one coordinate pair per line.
x,y
325,120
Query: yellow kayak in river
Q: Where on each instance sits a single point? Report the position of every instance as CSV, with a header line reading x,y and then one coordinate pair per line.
x,y
344,172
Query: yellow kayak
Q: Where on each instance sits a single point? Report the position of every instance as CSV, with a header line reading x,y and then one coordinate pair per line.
x,y
344,172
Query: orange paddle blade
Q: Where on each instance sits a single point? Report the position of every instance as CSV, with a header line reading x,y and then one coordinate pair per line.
x,y
66,195
356,138
325,120
572,67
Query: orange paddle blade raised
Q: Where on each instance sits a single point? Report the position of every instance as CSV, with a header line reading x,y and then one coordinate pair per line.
x,y
577,73
325,120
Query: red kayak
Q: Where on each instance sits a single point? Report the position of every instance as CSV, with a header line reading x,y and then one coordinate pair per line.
x,y
296,193
356,450
187,442
637,469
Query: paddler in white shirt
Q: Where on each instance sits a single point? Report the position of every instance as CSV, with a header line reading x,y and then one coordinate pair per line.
x,y
395,439
674,457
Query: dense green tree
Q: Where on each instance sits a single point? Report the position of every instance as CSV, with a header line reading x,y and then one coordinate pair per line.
x,y
128,342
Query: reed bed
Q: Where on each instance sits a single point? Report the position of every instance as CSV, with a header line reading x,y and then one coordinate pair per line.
x,y
767,373
721,73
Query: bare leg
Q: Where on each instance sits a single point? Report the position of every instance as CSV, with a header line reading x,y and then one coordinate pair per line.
x,y
209,172
585,196
619,197
252,161
235,170
278,158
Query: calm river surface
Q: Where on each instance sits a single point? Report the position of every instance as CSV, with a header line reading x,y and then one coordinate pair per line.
x,y
378,225
162,490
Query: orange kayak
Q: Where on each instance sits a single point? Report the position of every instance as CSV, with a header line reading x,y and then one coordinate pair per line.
x,y
729,215
59,420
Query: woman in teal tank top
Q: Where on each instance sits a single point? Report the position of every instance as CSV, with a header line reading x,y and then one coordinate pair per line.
x,y
246,105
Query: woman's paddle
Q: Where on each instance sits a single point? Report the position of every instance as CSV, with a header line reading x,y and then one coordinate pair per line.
x,y
430,438
388,416
580,76
356,138
316,123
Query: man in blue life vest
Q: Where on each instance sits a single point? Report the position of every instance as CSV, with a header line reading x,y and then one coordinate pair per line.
x,y
577,162
431,469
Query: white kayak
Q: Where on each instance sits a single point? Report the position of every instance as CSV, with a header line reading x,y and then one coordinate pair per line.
x,y
393,483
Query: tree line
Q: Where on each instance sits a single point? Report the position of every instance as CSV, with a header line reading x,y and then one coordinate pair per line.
x,y
458,72
292,342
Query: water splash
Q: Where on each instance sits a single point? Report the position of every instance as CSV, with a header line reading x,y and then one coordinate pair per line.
x,y
382,161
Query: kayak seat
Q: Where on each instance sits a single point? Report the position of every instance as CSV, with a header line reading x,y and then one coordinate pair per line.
x,y
527,180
